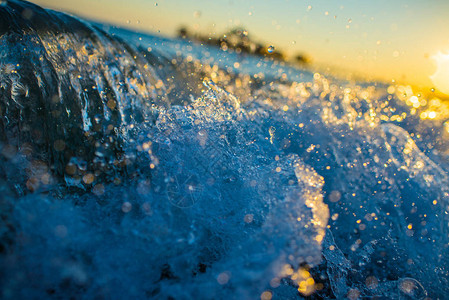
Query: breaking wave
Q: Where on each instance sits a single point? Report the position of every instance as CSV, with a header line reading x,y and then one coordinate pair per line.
x,y
134,166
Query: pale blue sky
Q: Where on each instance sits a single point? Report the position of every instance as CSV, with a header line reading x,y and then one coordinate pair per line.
x,y
383,39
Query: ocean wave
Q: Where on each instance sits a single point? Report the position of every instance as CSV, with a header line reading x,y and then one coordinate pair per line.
x,y
134,166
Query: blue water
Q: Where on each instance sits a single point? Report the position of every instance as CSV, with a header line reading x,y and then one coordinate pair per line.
x,y
135,166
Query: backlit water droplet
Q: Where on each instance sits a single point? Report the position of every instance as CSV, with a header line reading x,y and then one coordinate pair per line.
x,y
270,49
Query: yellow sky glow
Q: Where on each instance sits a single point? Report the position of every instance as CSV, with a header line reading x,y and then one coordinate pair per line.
x,y
386,40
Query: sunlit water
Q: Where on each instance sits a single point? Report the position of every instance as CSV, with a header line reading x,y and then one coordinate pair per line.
x,y
134,166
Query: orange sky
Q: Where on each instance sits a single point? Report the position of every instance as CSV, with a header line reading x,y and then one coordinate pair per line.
x,y
388,40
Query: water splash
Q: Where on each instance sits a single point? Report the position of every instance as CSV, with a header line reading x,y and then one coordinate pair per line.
x,y
253,181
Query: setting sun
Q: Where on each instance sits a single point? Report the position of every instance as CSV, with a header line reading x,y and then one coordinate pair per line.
x,y
441,76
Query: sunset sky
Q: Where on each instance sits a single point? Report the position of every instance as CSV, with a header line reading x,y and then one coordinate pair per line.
x,y
388,40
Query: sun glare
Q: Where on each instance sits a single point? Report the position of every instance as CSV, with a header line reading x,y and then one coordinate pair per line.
x,y
441,76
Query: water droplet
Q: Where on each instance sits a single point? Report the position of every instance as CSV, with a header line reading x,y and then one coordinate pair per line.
x,y
82,165
270,49
126,207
